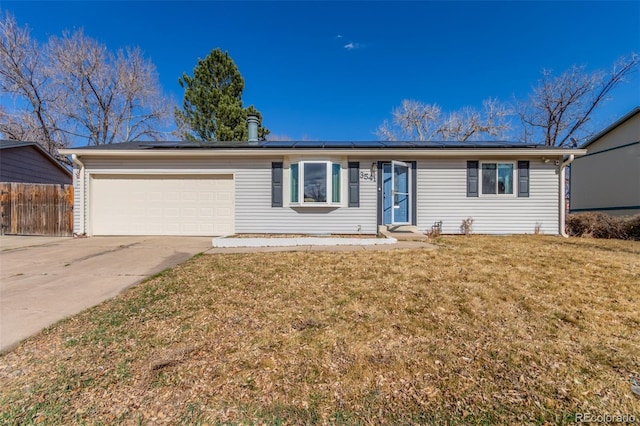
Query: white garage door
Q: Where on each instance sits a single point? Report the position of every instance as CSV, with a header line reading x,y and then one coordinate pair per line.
x,y
162,205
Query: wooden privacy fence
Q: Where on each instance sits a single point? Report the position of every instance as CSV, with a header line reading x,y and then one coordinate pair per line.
x,y
36,209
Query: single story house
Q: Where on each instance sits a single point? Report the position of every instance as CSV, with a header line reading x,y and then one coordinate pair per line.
x,y
183,188
29,162
607,178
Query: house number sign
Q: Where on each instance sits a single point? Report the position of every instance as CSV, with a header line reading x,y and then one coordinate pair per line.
x,y
367,175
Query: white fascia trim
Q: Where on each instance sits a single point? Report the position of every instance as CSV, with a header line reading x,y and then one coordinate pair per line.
x,y
379,153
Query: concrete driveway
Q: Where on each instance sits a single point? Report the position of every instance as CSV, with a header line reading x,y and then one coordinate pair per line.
x,y
44,279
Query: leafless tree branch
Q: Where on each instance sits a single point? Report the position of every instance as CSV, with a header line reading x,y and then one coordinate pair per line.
x,y
414,120
74,90
560,107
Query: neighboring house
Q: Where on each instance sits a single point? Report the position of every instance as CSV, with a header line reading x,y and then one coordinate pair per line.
x,y
29,162
35,191
607,178
182,188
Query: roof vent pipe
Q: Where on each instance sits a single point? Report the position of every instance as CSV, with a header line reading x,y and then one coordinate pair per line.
x,y
252,123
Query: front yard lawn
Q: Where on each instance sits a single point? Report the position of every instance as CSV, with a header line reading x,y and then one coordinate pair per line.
x,y
483,330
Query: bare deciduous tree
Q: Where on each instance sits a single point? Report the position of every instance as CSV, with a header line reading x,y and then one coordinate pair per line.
x,y
560,107
107,97
471,124
278,137
22,126
73,89
24,75
414,120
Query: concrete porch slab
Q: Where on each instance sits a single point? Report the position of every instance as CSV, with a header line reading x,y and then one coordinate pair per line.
x,y
223,242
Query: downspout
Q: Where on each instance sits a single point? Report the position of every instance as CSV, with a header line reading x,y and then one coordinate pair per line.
x,y
79,163
563,200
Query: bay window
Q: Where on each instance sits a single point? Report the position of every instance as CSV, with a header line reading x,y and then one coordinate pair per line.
x,y
315,183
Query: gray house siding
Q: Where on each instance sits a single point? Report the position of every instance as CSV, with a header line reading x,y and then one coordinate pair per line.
x,y
26,164
77,196
442,196
253,211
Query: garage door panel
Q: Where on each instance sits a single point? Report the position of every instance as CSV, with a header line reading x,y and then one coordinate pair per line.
x,y
207,229
205,212
154,212
206,196
188,196
157,205
189,213
223,212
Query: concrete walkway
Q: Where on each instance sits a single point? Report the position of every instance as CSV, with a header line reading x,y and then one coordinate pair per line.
x,y
379,247
43,279
46,279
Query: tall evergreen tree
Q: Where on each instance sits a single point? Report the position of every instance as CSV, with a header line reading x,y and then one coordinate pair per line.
x,y
212,107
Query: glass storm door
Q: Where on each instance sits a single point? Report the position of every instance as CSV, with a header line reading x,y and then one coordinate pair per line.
x,y
395,193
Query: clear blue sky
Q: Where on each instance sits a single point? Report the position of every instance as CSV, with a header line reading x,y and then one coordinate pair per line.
x,y
335,70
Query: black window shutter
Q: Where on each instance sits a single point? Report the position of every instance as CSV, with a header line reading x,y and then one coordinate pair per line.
x,y
276,184
523,178
354,184
472,178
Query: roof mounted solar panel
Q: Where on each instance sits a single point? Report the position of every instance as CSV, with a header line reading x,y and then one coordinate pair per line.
x,y
276,144
309,144
337,144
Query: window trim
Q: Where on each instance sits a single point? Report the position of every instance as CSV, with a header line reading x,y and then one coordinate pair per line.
x,y
329,164
514,179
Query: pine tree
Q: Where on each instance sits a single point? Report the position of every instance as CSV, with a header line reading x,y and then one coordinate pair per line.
x,y
212,107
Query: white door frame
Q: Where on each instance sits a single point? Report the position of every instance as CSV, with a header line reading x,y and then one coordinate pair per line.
x,y
393,193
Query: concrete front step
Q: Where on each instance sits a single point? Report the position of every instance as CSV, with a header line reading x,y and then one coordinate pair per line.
x,y
402,232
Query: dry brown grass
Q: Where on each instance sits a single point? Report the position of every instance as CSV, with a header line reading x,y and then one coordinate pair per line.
x,y
483,330
372,236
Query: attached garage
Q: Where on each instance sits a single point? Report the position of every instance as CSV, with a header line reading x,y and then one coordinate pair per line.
x,y
161,204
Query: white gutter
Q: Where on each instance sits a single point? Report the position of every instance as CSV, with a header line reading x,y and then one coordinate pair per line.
x,y
77,161
368,153
563,201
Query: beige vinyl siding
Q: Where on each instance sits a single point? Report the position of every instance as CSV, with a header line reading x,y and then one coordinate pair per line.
x,y
253,211
442,196
626,132
609,179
